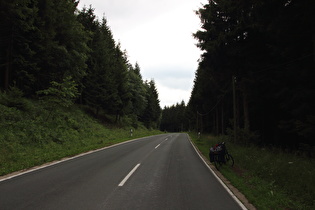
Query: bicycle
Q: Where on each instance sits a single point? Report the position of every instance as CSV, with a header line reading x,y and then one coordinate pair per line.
x,y
220,156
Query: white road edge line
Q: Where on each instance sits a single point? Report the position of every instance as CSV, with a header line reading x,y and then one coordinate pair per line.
x,y
45,165
220,181
128,176
157,146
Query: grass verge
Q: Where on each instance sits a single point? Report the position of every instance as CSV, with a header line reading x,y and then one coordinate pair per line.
x,y
34,135
269,178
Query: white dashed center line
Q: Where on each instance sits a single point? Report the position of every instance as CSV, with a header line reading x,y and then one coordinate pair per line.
x,y
128,176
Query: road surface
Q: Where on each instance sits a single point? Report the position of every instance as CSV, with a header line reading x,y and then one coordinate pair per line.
x,y
159,172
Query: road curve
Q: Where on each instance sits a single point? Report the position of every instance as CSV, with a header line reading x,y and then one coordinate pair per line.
x,y
158,172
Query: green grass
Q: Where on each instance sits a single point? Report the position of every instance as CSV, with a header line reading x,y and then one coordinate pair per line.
x,y
31,135
269,178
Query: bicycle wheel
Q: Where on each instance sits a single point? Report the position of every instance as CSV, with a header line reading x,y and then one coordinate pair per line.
x,y
217,162
229,160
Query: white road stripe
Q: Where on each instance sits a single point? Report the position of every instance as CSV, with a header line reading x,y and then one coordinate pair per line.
x,y
161,143
128,176
243,207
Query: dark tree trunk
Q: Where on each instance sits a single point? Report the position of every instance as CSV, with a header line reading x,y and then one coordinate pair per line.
x,y
246,111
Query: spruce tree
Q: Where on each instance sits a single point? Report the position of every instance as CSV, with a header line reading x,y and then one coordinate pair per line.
x,y
152,113
18,38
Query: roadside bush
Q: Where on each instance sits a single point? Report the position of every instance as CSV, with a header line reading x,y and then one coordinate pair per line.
x,y
14,98
9,115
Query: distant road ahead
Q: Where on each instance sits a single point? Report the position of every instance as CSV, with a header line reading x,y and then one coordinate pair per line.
x,y
159,172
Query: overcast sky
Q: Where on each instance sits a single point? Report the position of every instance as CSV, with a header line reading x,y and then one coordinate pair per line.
x,y
158,35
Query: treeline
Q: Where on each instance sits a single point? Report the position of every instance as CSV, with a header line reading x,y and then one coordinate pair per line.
x,y
174,118
49,42
255,79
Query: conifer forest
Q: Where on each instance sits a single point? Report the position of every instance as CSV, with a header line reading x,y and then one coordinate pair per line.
x,y
51,48
255,79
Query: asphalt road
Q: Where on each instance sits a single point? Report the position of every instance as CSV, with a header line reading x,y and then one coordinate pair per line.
x,y
159,172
